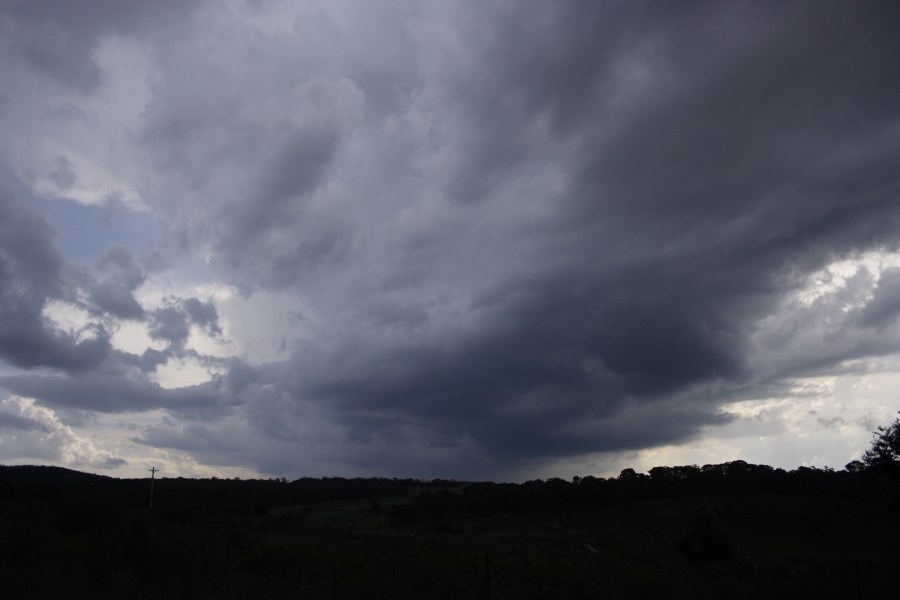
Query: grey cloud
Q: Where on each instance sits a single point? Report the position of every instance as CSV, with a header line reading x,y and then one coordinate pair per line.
x,y
223,444
552,70
203,314
117,388
20,423
514,393
28,250
884,307
150,359
42,436
550,232
172,322
827,337
299,168
58,38
64,111
30,275
42,347
112,463
111,285
278,232
830,423
63,176
256,162
63,55
690,209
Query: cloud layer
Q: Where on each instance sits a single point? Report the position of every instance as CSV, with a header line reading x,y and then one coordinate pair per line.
x,y
452,234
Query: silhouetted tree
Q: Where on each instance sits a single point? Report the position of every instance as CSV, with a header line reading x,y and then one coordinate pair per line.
x,y
885,447
881,464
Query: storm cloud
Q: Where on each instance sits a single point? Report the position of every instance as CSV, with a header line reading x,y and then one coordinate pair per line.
x,y
403,238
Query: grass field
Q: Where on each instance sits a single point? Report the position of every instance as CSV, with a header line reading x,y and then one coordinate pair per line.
x,y
87,544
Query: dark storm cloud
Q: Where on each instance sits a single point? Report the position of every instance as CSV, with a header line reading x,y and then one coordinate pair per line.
x,y
714,155
30,275
518,390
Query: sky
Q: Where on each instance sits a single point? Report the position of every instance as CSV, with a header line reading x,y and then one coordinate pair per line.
x,y
487,239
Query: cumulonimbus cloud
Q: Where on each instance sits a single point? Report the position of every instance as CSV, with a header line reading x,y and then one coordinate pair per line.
x,y
519,234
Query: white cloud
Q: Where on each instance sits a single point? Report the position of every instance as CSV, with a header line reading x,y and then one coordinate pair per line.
x,y
49,440
66,316
182,372
134,337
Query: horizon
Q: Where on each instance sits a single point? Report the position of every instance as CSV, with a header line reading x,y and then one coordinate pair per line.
x,y
647,472
426,479
473,241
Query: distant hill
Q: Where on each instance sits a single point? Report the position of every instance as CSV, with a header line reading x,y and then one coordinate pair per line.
x,y
42,475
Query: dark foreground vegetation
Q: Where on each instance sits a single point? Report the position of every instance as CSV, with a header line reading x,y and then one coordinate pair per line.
x,y
733,530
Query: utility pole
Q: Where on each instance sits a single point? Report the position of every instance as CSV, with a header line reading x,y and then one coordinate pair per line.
x,y
152,475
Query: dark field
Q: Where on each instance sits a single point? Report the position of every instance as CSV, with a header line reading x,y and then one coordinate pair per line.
x,y
803,534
